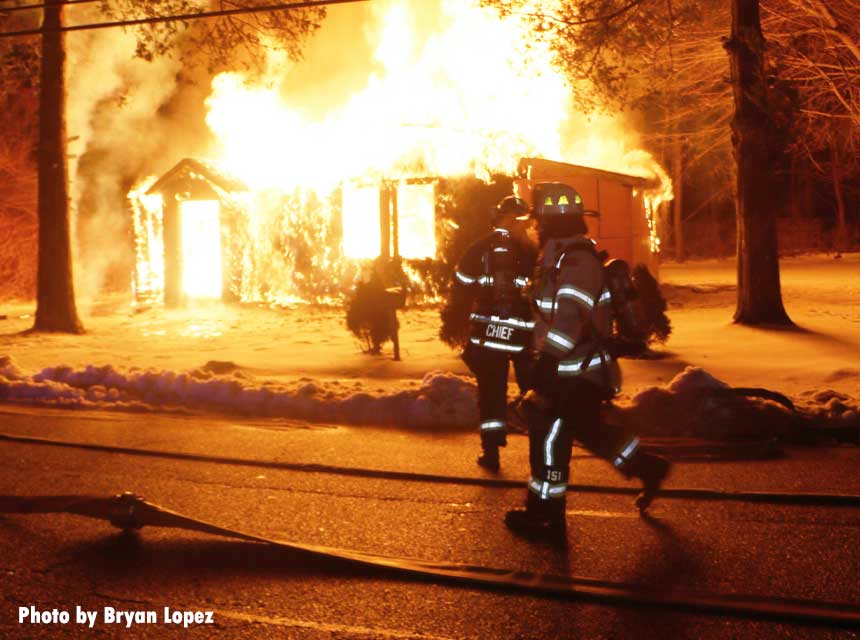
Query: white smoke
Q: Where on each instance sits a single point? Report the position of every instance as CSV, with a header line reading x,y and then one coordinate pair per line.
x,y
114,129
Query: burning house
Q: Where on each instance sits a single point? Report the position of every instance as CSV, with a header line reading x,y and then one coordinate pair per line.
x,y
343,160
203,234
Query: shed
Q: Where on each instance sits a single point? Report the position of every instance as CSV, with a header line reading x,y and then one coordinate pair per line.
x,y
204,234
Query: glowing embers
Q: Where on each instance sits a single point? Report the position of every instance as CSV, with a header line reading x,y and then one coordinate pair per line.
x,y
147,213
201,248
652,205
361,222
416,213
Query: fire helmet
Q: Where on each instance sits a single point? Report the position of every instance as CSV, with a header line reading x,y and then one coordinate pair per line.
x,y
510,205
558,210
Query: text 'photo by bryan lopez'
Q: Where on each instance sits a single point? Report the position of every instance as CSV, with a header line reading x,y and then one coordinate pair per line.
x,y
113,616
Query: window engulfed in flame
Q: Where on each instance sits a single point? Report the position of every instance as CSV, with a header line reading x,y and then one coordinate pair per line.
x,y
361,232
201,248
416,209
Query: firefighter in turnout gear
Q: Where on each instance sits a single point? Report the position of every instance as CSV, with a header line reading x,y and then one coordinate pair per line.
x,y
493,273
575,372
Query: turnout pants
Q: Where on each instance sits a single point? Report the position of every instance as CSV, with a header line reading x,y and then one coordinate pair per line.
x,y
491,372
575,415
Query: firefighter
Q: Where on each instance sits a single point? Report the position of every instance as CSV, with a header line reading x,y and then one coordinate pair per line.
x,y
574,373
490,281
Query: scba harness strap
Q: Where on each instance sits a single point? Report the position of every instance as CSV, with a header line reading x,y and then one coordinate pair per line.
x,y
503,329
598,352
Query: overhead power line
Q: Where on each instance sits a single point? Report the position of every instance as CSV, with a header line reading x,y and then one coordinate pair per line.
x,y
33,7
176,18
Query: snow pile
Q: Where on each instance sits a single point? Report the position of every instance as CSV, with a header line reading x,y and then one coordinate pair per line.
x,y
695,403
831,406
440,400
694,379
8,370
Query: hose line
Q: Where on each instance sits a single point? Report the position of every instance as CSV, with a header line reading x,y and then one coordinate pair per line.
x,y
757,497
130,512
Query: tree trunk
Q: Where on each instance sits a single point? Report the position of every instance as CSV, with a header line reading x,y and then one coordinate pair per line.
x,y
840,240
759,295
678,202
55,295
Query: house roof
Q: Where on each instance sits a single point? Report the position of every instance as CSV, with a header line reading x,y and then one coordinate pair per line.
x,y
190,170
541,169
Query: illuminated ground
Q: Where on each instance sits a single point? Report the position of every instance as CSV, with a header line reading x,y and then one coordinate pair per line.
x,y
310,360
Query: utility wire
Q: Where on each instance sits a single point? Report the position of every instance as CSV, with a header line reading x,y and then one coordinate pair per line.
x,y
177,18
33,7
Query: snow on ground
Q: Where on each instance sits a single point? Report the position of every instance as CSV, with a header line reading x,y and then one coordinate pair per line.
x,y
304,363
820,356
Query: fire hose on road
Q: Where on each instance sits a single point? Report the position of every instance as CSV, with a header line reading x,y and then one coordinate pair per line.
x,y
130,513
757,497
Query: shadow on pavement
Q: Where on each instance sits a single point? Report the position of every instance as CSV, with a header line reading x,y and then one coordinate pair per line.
x,y
130,554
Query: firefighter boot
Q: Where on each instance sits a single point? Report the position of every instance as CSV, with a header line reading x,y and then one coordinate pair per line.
x,y
543,519
490,443
489,459
652,470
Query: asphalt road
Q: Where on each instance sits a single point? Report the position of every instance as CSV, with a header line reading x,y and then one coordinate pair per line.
x,y
254,591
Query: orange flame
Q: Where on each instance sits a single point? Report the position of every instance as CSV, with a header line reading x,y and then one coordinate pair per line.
x,y
471,98
452,90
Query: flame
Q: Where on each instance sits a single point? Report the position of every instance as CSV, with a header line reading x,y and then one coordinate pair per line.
x,y
201,248
472,98
416,204
450,89
361,231
148,282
